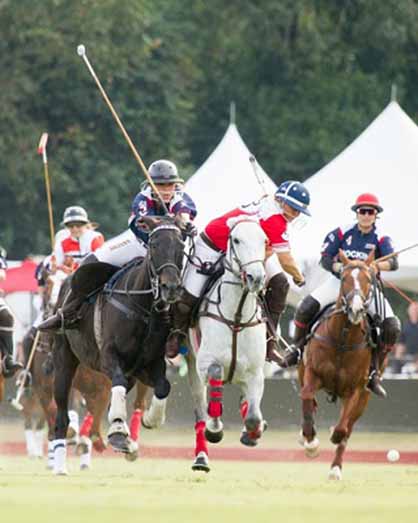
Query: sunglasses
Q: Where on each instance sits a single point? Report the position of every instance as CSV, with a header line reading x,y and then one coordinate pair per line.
x,y
364,211
75,224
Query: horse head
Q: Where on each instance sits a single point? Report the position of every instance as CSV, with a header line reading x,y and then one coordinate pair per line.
x,y
246,253
165,257
356,287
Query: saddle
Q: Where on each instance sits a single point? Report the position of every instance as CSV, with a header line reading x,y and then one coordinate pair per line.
x,y
90,278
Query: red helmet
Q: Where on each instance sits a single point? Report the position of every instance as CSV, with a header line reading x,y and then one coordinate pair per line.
x,y
367,200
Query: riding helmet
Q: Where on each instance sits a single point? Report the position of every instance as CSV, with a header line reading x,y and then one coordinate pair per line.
x,y
367,200
164,171
295,194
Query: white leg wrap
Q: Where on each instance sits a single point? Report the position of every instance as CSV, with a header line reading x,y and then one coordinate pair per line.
x,y
39,443
154,417
60,457
85,458
50,464
30,443
74,421
117,404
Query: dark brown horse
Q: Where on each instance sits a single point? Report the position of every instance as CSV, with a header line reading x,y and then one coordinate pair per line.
x,y
122,334
337,359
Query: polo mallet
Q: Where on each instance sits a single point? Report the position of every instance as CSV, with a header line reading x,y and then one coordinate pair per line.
x,y
42,150
81,51
15,402
393,254
258,177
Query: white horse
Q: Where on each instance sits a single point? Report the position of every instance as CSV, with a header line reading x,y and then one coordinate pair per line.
x,y
232,334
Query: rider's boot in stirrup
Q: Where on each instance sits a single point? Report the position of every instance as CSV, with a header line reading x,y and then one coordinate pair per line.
x,y
391,328
304,316
66,317
9,365
182,311
275,300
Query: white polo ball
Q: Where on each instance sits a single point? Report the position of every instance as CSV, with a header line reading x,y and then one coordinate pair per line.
x,y
393,455
81,50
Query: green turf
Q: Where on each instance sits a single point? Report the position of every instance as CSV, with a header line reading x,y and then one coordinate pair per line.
x,y
168,491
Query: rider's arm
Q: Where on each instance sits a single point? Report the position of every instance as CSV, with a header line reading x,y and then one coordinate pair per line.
x,y
288,264
2,274
385,248
329,252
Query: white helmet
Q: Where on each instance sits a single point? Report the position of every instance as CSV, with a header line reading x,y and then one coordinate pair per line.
x,y
75,214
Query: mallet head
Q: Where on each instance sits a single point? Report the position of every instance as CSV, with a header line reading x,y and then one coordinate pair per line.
x,y
81,50
16,404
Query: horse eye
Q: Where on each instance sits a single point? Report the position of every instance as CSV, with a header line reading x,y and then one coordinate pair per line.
x,y
236,241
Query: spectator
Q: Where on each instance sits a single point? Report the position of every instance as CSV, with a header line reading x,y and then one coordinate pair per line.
x,y
407,348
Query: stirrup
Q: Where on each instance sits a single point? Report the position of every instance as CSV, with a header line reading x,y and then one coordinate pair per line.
x,y
374,385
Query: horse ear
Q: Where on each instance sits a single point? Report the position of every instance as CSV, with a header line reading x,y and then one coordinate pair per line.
x,y
370,257
343,257
144,223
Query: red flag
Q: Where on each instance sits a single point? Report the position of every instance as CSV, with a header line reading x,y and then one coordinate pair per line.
x,y
42,143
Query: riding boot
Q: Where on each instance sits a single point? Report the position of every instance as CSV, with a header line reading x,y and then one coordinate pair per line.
x,y
304,317
182,311
275,301
391,328
66,317
9,365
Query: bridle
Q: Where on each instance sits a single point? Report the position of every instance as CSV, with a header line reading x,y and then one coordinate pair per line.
x,y
347,298
241,274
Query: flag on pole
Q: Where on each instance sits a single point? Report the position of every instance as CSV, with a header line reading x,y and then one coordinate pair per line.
x,y
42,143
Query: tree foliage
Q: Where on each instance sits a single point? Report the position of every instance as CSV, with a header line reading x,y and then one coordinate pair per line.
x,y
307,77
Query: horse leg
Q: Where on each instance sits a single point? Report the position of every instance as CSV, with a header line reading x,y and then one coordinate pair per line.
x,y
201,461
254,425
311,383
118,433
214,426
29,432
65,366
39,436
353,407
43,388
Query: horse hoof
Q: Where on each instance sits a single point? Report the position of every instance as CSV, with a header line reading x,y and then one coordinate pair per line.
x,y
201,462
312,448
335,473
214,437
84,466
247,441
98,444
119,442
131,456
148,427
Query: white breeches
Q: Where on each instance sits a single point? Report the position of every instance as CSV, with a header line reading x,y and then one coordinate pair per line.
x,y
328,293
194,282
121,249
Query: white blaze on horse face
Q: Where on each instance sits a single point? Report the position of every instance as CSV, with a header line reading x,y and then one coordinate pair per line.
x,y
248,243
357,303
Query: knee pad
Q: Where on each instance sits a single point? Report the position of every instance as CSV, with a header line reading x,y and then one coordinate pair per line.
x,y
391,330
307,310
278,286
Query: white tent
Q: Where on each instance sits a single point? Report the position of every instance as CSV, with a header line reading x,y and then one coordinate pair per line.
x,y
382,160
226,180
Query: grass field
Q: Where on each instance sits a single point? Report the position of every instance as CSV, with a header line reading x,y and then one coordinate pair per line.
x,y
168,491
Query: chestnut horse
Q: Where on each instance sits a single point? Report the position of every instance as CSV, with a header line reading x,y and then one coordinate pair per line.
x,y
337,359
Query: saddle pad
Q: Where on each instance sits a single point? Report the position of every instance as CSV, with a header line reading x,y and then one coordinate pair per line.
x,y
119,273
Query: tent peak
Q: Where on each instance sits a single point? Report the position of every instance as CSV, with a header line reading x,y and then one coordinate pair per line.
x,y
232,112
394,93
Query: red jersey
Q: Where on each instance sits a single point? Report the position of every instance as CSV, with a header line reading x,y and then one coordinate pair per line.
x,y
269,216
67,246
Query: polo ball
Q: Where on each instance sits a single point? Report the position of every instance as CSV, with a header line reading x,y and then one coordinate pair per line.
x,y
393,455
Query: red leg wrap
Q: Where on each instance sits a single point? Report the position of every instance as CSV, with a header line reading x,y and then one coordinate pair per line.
x,y
244,409
201,445
135,424
86,425
215,393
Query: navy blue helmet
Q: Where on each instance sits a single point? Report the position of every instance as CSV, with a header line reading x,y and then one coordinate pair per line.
x,y
295,194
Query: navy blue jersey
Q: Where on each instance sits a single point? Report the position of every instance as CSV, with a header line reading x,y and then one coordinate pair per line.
x,y
355,244
145,205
